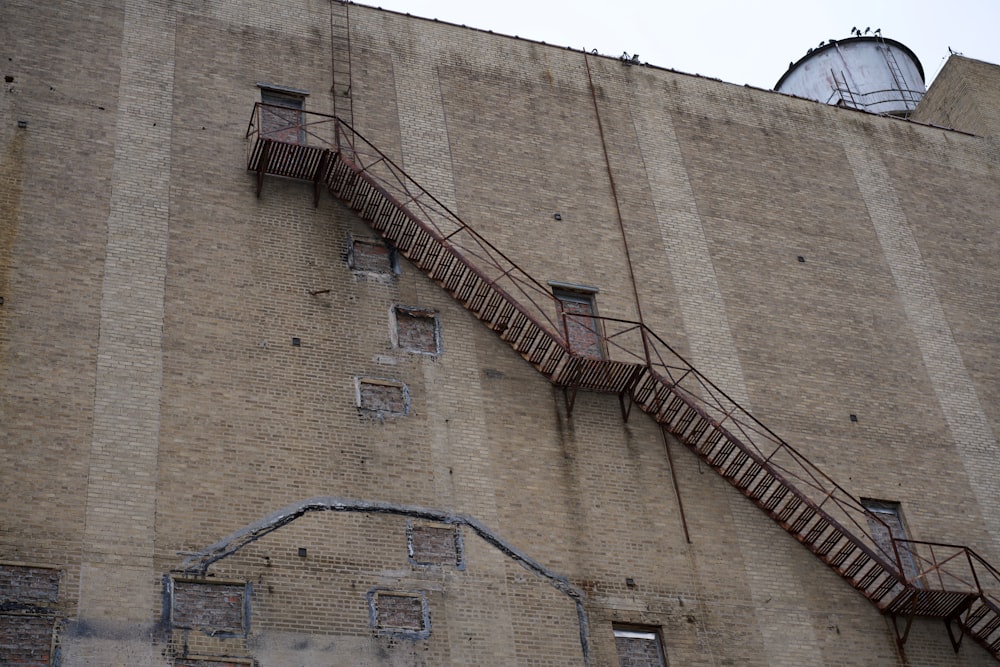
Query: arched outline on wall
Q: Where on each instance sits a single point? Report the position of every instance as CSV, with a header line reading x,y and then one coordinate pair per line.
x,y
198,563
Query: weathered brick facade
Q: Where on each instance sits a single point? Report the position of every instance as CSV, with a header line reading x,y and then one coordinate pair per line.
x,y
181,485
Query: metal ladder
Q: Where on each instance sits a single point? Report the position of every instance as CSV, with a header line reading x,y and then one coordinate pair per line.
x,y
906,95
340,56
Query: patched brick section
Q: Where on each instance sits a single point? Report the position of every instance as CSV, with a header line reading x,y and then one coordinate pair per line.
x,y
382,398
417,330
399,611
209,606
370,256
435,545
25,585
638,652
25,641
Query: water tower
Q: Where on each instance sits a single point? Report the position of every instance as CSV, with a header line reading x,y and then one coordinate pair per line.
x,y
864,72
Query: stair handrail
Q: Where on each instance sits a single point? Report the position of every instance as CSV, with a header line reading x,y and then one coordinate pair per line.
x,y
367,159
658,357
960,564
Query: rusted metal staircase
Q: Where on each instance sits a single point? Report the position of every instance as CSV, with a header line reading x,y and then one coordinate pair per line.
x,y
947,582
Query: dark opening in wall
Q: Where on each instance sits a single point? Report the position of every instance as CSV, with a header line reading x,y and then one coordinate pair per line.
x,y
380,399
214,607
416,330
399,612
434,544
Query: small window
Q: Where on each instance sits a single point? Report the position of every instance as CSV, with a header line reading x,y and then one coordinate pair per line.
x,y
416,330
399,612
578,313
639,646
886,523
281,115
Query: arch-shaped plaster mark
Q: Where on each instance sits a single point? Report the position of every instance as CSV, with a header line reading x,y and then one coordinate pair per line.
x,y
198,563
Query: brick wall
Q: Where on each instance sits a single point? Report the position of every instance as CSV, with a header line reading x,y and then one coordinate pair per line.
x,y
212,607
150,410
25,641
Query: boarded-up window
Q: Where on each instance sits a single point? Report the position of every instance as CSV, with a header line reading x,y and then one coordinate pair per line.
x,y
886,523
581,327
434,544
281,116
416,330
28,595
400,612
214,607
639,647
381,399
371,256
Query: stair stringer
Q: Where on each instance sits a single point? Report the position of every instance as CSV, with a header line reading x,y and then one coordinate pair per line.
x,y
802,499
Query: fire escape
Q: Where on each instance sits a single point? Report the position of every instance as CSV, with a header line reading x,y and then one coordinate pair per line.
x,y
939,581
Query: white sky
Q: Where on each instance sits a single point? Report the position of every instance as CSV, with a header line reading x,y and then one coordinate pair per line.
x,y
739,41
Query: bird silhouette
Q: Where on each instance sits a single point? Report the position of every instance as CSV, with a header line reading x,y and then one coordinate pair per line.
x,y
867,30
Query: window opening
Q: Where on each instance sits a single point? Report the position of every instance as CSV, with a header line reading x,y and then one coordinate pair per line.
x,y
890,526
639,647
578,313
281,118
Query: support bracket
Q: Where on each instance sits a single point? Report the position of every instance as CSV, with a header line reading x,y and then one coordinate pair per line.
x,y
901,637
320,177
955,643
265,156
626,403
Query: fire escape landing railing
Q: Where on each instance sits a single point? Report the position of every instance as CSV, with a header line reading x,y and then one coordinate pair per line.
x,y
951,582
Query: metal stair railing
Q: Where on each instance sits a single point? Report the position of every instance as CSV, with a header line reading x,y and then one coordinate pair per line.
x,y
644,371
